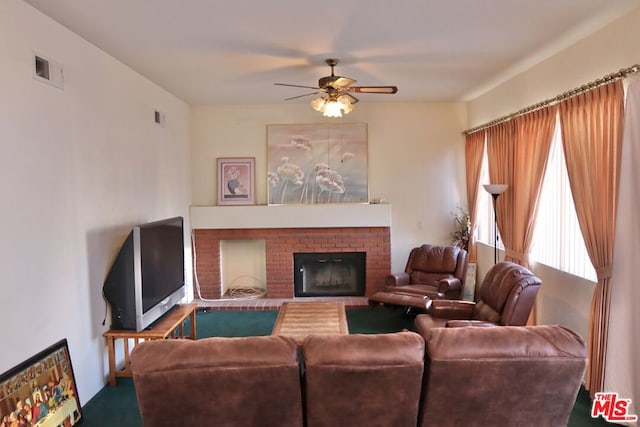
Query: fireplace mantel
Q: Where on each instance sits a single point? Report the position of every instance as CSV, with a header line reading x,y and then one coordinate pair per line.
x,y
291,216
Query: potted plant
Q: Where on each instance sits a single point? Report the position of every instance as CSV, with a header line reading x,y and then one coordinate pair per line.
x,y
460,236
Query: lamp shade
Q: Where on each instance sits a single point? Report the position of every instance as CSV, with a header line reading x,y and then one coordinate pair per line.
x,y
332,106
332,109
495,189
318,104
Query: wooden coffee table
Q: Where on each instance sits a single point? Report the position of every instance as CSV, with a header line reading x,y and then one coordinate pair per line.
x,y
299,319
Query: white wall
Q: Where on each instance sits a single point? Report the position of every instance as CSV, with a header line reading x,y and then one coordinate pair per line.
x,y
565,299
416,158
78,167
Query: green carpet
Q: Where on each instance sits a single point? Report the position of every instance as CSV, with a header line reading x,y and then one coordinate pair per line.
x,y
118,406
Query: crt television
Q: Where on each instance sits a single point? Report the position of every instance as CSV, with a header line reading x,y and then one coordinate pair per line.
x,y
146,279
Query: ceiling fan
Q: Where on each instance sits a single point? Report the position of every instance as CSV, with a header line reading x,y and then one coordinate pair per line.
x,y
338,89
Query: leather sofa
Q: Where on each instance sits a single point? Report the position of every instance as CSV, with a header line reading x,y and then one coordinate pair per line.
x,y
525,376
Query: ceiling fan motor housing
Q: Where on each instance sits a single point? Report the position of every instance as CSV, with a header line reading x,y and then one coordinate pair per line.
x,y
328,81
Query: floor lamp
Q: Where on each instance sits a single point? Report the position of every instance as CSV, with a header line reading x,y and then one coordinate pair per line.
x,y
495,190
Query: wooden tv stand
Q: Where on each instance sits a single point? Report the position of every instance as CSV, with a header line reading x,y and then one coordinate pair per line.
x,y
170,326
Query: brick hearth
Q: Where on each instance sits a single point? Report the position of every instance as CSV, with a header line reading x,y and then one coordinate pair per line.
x,y
281,243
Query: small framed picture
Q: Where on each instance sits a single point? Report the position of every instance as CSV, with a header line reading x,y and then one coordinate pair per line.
x,y
236,180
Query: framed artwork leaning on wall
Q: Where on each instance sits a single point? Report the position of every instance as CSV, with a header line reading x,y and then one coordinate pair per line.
x,y
41,390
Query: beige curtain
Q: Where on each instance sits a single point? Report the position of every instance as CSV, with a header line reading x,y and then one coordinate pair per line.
x,y
474,149
592,125
533,136
500,151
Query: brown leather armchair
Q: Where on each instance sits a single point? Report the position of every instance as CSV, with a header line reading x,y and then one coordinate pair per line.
x,y
432,272
505,298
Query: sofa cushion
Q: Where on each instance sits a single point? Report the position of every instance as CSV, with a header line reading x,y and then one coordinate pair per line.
x,y
435,259
218,381
427,278
503,376
363,380
483,311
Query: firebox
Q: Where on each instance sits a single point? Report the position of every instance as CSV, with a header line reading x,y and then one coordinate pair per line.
x,y
329,274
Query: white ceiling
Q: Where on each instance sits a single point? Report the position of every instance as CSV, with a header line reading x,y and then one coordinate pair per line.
x,y
231,52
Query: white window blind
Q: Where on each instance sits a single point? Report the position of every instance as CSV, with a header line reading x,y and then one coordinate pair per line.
x,y
486,219
557,240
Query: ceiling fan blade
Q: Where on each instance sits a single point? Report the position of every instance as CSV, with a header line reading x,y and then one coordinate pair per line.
x,y
301,96
373,89
352,98
285,84
342,82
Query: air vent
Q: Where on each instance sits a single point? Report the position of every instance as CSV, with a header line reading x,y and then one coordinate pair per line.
x,y
158,117
47,71
42,68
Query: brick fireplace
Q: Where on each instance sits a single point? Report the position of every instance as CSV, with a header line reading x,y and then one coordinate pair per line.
x,y
288,230
282,243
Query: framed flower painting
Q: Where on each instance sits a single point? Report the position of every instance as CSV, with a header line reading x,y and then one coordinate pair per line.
x,y
317,163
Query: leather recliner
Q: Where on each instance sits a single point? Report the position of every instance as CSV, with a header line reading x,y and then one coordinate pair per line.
x,y
505,298
247,381
348,379
526,376
432,272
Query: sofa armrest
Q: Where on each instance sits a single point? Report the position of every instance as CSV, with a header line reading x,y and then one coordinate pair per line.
x,y
449,284
398,279
465,323
451,309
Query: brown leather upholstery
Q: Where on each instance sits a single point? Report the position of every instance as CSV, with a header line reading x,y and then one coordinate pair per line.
x,y
363,380
507,376
505,298
218,381
434,272
511,376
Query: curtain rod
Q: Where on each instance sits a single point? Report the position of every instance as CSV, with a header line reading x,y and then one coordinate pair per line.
x,y
573,92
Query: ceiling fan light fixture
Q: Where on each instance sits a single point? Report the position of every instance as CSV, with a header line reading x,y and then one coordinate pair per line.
x,y
344,100
332,106
333,109
347,106
318,104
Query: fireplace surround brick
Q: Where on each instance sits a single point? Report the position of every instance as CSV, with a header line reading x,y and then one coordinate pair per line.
x,y
281,243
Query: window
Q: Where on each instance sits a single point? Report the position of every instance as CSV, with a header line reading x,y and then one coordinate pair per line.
x,y
486,220
557,240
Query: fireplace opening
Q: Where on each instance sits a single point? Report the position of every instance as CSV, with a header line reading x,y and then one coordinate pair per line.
x,y
329,274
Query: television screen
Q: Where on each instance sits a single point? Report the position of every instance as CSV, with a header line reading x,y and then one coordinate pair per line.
x,y
161,261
